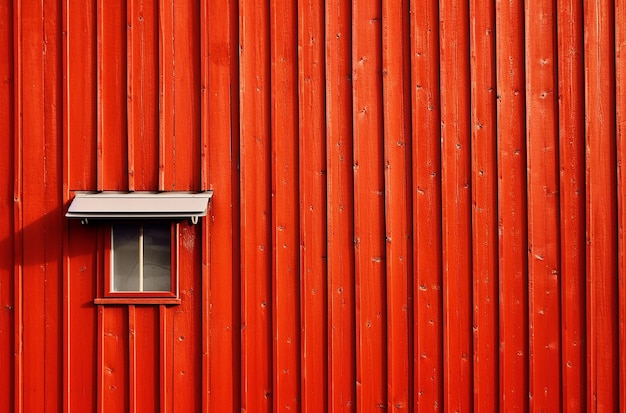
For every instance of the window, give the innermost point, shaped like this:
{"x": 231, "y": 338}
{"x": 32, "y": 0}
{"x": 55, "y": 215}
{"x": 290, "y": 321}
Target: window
{"x": 141, "y": 260}
{"x": 139, "y": 244}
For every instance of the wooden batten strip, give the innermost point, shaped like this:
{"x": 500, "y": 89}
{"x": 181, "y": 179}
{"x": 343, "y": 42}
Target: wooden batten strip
{"x": 18, "y": 213}
{"x": 620, "y": 93}
{"x": 66, "y": 300}
{"x": 8, "y": 279}
{"x": 130, "y": 94}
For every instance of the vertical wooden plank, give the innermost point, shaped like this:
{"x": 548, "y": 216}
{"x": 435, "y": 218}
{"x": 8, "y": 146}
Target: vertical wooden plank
{"x": 313, "y": 253}
{"x": 65, "y": 308}
{"x": 398, "y": 206}
{"x": 572, "y": 189}
{"x": 543, "y": 208}
{"x": 512, "y": 206}
{"x": 186, "y": 97}
{"x": 144, "y": 346}
{"x": 167, "y": 106}
{"x": 205, "y": 13}
{"x": 80, "y": 172}
{"x": 143, "y": 95}
{"x": 179, "y": 159}
{"x": 112, "y": 91}
{"x": 207, "y": 322}
{"x": 456, "y": 205}
{"x": 130, "y": 93}
{"x": 484, "y": 204}
{"x": 340, "y": 206}
{"x": 602, "y": 326}
{"x": 220, "y": 143}
{"x": 186, "y": 328}
{"x": 42, "y": 281}
{"x": 132, "y": 359}
{"x": 166, "y": 355}
{"x": 113, "y": 359}
{"x": 100, "y": 376}
{"x": 81, "y": 93}
{"x": 285, "y": 222}
{"x": 7, "y": 239}
{"x": 99, "y": 389}
{"x": 255, "y": 206}
{"x": 620, "y": 125}
{"x": 52, "y": 183}
{"x": 82, "y": 317}
{"x": 32, "y": 120}
{"x": 426, "y": 170}
{"x": 369, "y": 225}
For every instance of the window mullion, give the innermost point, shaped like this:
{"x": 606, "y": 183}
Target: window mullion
{"x": 140, "y": 257}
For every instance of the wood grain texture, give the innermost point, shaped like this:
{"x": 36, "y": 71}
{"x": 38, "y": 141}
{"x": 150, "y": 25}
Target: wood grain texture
{"x": 426, "y": 192}
{"x": 221, "y": 276}
{"x": 185, "y": 369}
{"x": 572, "y": 211}
{"x": 512, "y": 212}
{"x": 485, "y": 252}
{"x": 398, "y": 201}
{"x": 456, "y": 205}
{"x": 41, "y": 192}
{"x": 113, "y": 162}
{"x": 285, "y": 212}
{"x": 369, "y": 220}
{"x": 417, "y": 205}
{"x": 7, "y": 282}
{"x": 81, "y": 93}
{"x": 82, "y": 317}
{"x": 142, "y": 77}
{"x": 256, "y": 207}
{"x": 340, "y": 208}
{"x": 602, "y": 325}
{"x": 544, "y": 258}
{"x": 113, "y": 358}
{"x": 620, "y": 131}
{"x": 179, "y": 97}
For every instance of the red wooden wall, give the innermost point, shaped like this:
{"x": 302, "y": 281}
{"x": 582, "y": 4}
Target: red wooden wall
{"x": 419, "y": 205}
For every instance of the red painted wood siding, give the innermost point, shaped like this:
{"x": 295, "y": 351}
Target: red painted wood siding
{"x": 419, "y": 205}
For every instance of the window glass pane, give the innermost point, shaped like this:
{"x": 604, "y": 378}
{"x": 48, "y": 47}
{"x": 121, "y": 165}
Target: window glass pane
{"x": 125, "y": 257}
{"x": 156, "y": 257}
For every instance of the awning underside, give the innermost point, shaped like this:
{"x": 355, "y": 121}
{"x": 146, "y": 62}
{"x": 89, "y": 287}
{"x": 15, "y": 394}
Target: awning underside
{"x": 124, "y": 205}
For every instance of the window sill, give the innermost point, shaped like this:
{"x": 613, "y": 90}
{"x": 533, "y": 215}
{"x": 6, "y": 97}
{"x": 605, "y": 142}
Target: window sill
{"x": 136, "y": 301}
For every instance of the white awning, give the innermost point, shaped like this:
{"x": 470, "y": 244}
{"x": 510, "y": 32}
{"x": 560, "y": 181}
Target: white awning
{"x": 140, "y": 205}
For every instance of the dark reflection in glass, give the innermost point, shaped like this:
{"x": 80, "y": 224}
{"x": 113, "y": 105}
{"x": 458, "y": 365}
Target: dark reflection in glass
{"x": 125, "y": 258}
{"x": 127, "y": 243}
{"x": 156, "y": 257}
